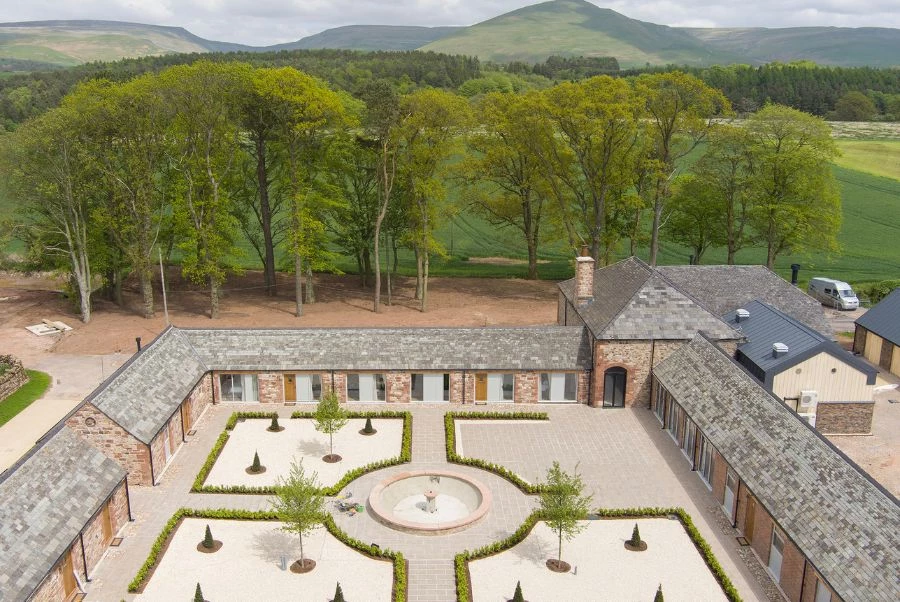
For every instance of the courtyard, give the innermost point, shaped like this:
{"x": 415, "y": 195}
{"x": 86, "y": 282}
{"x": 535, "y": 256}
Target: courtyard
{"x": 624, "y": 458}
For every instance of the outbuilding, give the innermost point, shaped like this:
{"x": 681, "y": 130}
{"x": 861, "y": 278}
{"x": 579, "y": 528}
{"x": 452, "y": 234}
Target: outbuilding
{"x": 877, "y": 335}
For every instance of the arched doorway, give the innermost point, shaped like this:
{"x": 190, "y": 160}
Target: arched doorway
{"x": 614, "y": 387}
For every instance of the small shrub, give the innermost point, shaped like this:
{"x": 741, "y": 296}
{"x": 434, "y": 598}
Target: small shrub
{"x": 659, "y": 595}
{"x": 274, "y": 426}
{"x": 198, "y": 594}
{"x": 518, "y": 597}
{"x": 256, "y": 466}
{"x": 338, "y": 594}
{"x": 368, "y": 428}
{"x": 635, "y": 536}
{"x": 208, "y": 541}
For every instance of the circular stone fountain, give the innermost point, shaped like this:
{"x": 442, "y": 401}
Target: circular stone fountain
{"x": 429, "y": 502}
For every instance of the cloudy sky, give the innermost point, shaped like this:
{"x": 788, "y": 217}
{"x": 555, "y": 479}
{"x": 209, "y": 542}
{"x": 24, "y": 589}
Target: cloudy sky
{"x": 264, "y": 22}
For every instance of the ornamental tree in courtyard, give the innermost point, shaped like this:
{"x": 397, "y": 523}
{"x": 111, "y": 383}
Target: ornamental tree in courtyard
{"x": 563, "y": 504}
{"x": 300, "y": 505}
{"x": 330, "y": 417}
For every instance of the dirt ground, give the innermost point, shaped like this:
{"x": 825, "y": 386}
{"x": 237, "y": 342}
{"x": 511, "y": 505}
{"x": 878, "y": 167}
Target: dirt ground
{"x": 341, "y": 302}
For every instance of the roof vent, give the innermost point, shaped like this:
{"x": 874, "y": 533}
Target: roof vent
{"x": 742, "y": 315}
{"x": 779, "y": 350}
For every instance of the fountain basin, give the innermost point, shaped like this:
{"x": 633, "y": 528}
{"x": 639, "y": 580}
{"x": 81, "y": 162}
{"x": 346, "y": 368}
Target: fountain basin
{"x": 456, "y": 501}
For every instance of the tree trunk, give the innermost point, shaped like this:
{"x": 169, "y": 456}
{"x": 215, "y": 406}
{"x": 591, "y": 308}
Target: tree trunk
{"x": 418, "y": 294}
{"x": 387, "y": 181}
{"x": 654, "y": 233}
{"x": 265, "y": 214}
{"x": 117, "y": 297}
{"x": 147, "y": 293}
{"x": 213, "y": 298}
{"x": 301, "y": 549}
{"x": 310, "y": 290}
{"x": 298, "y": 285}
{"x": 559, "y": 554}
{"x": 390, "y": 290}
{"x": 367, "y": 267}
{"x": 396, "y": 265}
{"x": 359, "y": 269}
{"x": 425, "y": 265}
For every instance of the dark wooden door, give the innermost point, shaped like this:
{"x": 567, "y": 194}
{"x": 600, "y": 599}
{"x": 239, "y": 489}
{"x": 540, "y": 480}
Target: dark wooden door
{"x": 887, "y": 352}
{"x": 750, "y": 518}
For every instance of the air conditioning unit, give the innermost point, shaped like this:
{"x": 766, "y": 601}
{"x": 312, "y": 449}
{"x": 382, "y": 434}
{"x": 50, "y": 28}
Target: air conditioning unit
{"x": 810, "y": 418}
{"x": 808, "y": 399}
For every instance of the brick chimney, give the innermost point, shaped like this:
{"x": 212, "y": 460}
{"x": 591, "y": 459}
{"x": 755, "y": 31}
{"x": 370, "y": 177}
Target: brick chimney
{"x": 584, "y": 278}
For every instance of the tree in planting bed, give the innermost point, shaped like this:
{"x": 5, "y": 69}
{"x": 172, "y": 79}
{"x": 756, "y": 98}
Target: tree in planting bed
{"x": 300, "y": 505}
{"x": 330, "y": 417}
{"x": 563, "y": 505}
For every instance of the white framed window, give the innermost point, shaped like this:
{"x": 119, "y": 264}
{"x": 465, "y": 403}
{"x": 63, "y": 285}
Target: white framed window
{"x": 823, "y": 594}
{"x": 430, "y": 387}
{"x": 660, "y": 408}
{"x": 776, "y": 554}
{"x": 559, "y": 386}
{"x": 690, "y": 439}
{"x": 704, "y": 469}
{"x": 731, "y": 485}
{"x": 309, "y": 387}
{"x": 500, "y": 387}
{"x": 238, "y": 387}
{"x": 365, "y": 387}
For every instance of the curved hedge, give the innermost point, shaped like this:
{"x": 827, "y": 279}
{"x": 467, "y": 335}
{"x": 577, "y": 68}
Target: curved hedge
{"x": 143, "y": 575}
{"x": 404, "y": 457}
{"x": 450, "y": 419}
{"x": 461, "y": 560}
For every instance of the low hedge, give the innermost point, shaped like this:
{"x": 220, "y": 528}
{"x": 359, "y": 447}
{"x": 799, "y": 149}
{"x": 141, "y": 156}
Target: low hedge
{"x": 461, "y": 560}
{"x": 404, "y": 457}
{"x": 450, "y": 434}
{"x": 140, "y": 579}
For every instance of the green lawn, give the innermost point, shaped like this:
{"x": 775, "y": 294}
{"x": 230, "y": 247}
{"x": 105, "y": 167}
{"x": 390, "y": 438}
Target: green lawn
{"x": 37, "y": 384}
{"x": 875, "y": 157}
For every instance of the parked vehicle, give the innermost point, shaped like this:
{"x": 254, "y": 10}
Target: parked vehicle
{"x": 833, "y": 293}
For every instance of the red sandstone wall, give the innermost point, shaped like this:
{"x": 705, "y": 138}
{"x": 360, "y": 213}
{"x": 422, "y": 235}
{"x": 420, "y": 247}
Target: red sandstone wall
{"x": 114, "y": 441}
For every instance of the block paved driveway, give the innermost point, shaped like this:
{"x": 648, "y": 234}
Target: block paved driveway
{"x": 624, "y": 457}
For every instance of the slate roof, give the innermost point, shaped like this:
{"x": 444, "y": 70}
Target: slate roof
{"x": 530, "y": 348}
{"x": 767, "y": 325}
{"x": 632, "y": 301}
{"x": 45, "y": 501}
{"x": 840, "y": 520}
{"x": 144, "y": 393}
{"x": 723, "y": 288}
{"x": 884, "y": 318}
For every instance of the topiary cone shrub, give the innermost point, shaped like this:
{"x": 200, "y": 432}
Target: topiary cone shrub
{"x": 256, "y": 467}
{"x": 636, "y": 544}
{"x": 198, "y": 594}
{"x": 275, "y": 427}
{"x": 659, "y": 595}
{"x": 209, "y": 545}
{"x": 517, "y": 597}
{"x": 368, "y": 429}
{"x": 338, "y": 594}
{"x": 208, "y": 538}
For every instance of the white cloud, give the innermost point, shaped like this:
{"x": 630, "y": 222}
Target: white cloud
{"x": 263, "y": 22}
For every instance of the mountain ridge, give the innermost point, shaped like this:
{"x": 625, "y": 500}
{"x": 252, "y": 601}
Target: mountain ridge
{"x": 530, "y": 33}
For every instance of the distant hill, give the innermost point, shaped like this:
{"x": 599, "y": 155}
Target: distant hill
{"x": 532, "y": 33}
{"x": 573, "y": 28}
{"x": 74, "y": 42}
{"x": 370, "y": 37}
{"x": 839, "y": 46}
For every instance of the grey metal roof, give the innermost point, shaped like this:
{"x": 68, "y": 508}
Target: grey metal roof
{"x": 143, "y": 394}
{"x": 723, "y": 288}
{"x": 841, "y": 521}
{"x": 766, "y": 325}
{"x": 529, "y": 348}
{"x": 884, "y": 318}
{"x": 45, "y": 501}
{"x": 632, "y": 301}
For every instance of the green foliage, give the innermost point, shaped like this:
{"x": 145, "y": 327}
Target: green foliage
{"x": 854, "y": 106}
{"x": 453, "y": 457}
{"x": 338, "y": 593}
{"x": 635, "y": 536}
{"x": 198, "y": 594}
{"x": 875, "y": 291}
{"x": 659, "y": 595}
{"x": 274, "y": 426}
{"x": 34, "y": 389}
{"x": 517, "y": 596}
{"x": 368, "y": 428}
{"x": 256, "y": 466}
{"x": 214, "y": 453}
{"x": 563, "y": 504}
{"x": 208, "y": 541}
{"x": 330, "y": 417}
{"x": 299, "y": 502}
{"x": 143, "y": 575}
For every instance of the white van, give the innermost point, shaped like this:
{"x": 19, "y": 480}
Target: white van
{"x": 833, "y": 293}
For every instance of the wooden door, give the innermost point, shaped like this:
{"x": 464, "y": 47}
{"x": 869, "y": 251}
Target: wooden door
{"x": 186, "y": 411}
{"x": 106, "y": 523}
{"x": 68, "y": 575}
{"x": 290, "y": 387}
{"x": 749, "y": 518}
{"x": 887, "y": 353}
{"x": 481, "y": 381}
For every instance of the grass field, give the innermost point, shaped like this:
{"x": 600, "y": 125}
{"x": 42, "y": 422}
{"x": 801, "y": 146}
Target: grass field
{"x": 32, "y": 390}
{"x": 876, "y": 157}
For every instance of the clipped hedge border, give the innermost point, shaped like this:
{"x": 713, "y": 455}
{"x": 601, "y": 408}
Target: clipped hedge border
{"x": 461, "y": 560}
{"x": 450, "y": 419}
{"x": 401, "y": 581}
{"x": 404, "y": 457}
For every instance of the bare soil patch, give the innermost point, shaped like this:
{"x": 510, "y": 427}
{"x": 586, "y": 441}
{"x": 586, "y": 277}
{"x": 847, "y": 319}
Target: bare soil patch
{"x": 341, "y": 302}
